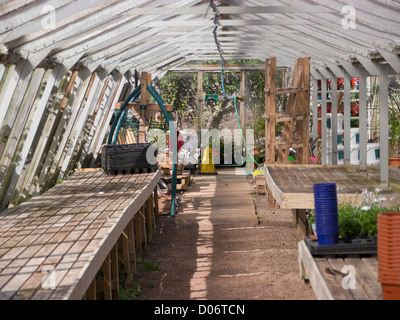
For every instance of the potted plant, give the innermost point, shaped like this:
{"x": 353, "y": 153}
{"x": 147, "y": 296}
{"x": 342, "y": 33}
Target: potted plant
{"x": 394, "y": 123}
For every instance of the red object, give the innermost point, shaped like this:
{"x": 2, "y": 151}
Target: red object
{"x": 355, "y": 109}
{"x": 340, "y": 83}
{"x": 354, "y": 81}
{"x": 390, "y": 292}
{"x": 319, "y": 128}
{"x": 181, "y": 142}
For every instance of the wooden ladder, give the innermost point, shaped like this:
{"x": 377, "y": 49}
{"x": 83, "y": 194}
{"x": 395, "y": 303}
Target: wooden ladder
{"x": 295, "y": 132}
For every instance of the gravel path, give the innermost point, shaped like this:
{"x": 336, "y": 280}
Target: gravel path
{"x": 197, "y": 257}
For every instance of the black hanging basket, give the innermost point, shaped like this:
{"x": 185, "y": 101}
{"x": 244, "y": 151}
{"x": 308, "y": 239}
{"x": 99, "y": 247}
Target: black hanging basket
{"x": 126, "y": 159}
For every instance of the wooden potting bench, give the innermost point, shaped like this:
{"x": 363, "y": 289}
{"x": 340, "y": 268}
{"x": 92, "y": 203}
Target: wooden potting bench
{"x": 340, "y": 278}
{"x": 79, "y": 238}
{"x": 291, "y": 186}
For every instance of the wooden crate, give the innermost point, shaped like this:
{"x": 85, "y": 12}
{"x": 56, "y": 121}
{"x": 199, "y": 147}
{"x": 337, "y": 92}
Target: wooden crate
{"x": 166, "y": 165}
{"x": 164, "y": 203}
{"x": 168, "y": 171}
{"x": 183, "y": 181}
{"x": 260, "y": 184}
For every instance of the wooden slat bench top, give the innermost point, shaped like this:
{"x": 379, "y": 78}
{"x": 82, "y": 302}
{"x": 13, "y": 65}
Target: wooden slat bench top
{"x": 292, "y": 185}
{"x": 61, "y": 238}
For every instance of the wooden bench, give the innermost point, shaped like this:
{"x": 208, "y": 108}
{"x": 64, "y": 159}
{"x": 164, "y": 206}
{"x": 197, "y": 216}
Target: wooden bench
{"x": 291, "y": 186}
{"x": 326, "y": 277}
{"x": 73, "y": 241}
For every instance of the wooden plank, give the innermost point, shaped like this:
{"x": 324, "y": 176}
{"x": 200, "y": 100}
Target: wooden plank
{"x": 302, "y": 125}
{"x": 132, "y": 248}
{"x": 149, "y": 221}
{"x": 289, "y": 90}
{"x": 356, "y": 293}
{"x": 270, "y": 109}
{"x": 138, "y": 236}
{"x": 156, "y": 209}
{"x": 365, "y": 278}
{"x": 107, "y": 278}
{"x": 114, "y": 283}
{"x": 91, "y": 292}
{"x": 152, "y": 107}
{"x": 144, "y": 235}
{"x": 372, "y": 265}
{"x": 310, "y": 270}
{"x": 272, "y": 186}
{"x": 285, "y": 117}
{"x": 333, "y": 281}
{"x": 126, "y": 256}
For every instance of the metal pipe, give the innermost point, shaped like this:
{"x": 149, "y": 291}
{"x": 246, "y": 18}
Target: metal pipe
{"x": 174, "y": 140}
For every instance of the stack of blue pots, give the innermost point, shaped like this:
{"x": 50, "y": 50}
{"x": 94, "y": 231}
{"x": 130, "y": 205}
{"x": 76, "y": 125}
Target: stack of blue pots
{"x": 326, "y": 213}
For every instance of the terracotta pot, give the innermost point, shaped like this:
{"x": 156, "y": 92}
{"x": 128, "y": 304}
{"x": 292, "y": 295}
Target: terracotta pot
{"x": 389, "y": 222}
{"x": 388, "y": 252}
{"x": 394, "y": 161}
{"x": 390, "y": 292}
{"x": 389, "y": 278}
{"x": 392, "y": 223}
{"x": 386, "y": 267}
{"x": 388, "y": 235}
{"x": 389, "y": 245}
{"x": 389, "y": 214}
{"x": 386, "y": 218}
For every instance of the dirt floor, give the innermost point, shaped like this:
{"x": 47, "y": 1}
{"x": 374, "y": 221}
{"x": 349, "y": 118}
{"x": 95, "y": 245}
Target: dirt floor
{"x": 224, "y": 261}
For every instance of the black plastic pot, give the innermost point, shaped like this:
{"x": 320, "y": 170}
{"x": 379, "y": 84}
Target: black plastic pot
{"x": 126, "y": 159}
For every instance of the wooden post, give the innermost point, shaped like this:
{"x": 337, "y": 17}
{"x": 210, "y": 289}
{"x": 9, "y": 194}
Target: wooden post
{"x": 143, "y": 227}
{"x": 126, "y": 256}
{"x": 156, "y": 208}
{"x": 138, "y": 236}
{"x": 91, "y": 291}
{"x": 270, "y": 109}
{"x": 114, "y": 281}
{"x": 149, "y": 220}
{"x": 107, "y": 278}
{"x": 243, "y": 103}
{"x": 315, "y": 112}
{"x": 303, "y": 126}
{"x": 132, "y": 249}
